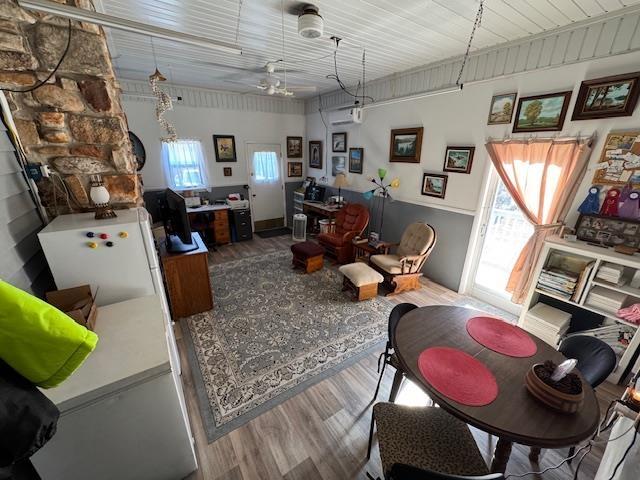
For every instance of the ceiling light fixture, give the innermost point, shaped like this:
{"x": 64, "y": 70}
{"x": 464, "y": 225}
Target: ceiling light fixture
{"x": 310, "y": 23}
{"x": 81, "y": 15}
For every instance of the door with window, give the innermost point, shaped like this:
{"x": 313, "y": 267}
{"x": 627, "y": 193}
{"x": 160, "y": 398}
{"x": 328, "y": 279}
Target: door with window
{"x": 503, "y": 233}
{"x": 266, "y": 185}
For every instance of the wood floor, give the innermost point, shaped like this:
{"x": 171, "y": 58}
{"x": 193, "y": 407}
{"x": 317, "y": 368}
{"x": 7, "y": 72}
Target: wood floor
{"x": 322, "y": 433}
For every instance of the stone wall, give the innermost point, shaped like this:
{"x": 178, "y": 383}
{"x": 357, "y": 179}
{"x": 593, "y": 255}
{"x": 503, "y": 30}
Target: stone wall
{"x": 74, "y": 123}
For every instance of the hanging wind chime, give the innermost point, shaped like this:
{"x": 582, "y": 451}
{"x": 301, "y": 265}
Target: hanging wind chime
{"x": 163, "y": 101}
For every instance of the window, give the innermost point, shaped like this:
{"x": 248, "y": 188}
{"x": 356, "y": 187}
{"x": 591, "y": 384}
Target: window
{"x": 184, "y": 164}
{"x": 265, "y": 167}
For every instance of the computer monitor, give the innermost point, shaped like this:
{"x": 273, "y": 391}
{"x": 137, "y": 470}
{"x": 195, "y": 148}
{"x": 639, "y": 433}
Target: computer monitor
{"x": 176, "y": 224}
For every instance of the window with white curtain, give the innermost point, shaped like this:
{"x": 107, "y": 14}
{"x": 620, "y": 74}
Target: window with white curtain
{"x": 265, "y": 167}
{"x": 185, "y": 166}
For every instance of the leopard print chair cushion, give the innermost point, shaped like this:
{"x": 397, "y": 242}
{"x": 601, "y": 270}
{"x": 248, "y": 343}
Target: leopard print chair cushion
{"x": 428, "y": 438}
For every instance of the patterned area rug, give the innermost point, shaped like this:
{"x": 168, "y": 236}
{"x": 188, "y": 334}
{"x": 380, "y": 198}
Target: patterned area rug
{"x": 272, "y": 333}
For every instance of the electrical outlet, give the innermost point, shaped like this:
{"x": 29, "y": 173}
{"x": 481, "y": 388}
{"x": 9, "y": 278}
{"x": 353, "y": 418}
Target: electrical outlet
{"x": 46, "y": 171}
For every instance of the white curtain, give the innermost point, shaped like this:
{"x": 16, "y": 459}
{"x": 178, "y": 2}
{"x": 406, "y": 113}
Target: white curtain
{"x": 265, "y": 167}
{"x": 185, "y": 166}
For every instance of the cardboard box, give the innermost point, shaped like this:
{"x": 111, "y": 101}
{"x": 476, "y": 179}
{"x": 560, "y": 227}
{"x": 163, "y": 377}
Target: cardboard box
{"x": 76, "y": 302}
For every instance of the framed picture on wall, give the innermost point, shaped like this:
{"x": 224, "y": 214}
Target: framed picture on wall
{"x": 356, "y": 157}
{"x": 294, "y": 147}
{"x": 294, "y": 169}
{"x": 606, "y": 97}
{"x": 315, "y": 154}
{"x": 339, "y": 141}
{"x": 338, "y": 164}
{"x": 458, "y": 159}
{"x": 434, "y": 185}
{"x": 227, "y": 171}
{"x": 501, "y": 109}
{"x": 225, "y": 147}
{"x": 541, "y": 113}
{"x": 406, "y": 145}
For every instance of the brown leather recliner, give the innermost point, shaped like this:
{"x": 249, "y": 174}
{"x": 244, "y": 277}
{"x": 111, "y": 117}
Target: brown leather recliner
{"x": 351, "y": 220}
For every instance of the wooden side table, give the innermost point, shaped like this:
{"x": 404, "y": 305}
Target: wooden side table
{"x": 362, "y": 250}
{"x": 187, "y": 279}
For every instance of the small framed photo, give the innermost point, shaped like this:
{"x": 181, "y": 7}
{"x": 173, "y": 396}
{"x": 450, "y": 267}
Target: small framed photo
{"x": 294, "y": 147}
{"x": 294, "y": 169}
{"x": 338, "y": 164}
{"x": 225, "y": 147}
{"x": 356, "y": 156}
{"x": 614, "y": 96}
{"x": 406, "y": 145}
{"x": 541, "y": 113}
{"x": 458, "y": 159}
{"x": 339, "y": 141}
{"x": 434, "y": 185}
{"x": 501, "y": 109}
{"x": 227, "y": 171}
{"x": 315, "y": 154}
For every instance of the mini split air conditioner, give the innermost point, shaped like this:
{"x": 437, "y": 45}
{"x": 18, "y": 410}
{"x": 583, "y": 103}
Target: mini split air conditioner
{"x": 346, "y": 116}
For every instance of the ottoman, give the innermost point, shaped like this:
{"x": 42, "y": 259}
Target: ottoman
{"x": 361, "y": 280}
{"x": 308, "y": 255}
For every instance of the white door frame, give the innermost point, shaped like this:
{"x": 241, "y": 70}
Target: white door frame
{"x": 282, "y": 182}
{"x": 478, "y": 237}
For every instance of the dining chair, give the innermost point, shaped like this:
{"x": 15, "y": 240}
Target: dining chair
{"x": 596, "y": 361}
{"x": 388, "y": 357}
{"x": 428, "y": 439}
{"x": 400, "y": 471}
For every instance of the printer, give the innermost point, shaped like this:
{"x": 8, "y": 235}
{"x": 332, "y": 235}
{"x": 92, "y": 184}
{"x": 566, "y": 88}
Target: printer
{"x": 235, "y": 202}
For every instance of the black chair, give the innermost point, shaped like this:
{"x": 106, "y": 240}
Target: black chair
{"x": 407, "y": 472}
{"x": 388, "y": 356}
{"x": 596, "y": 361}
{"x": 426, "y": 440}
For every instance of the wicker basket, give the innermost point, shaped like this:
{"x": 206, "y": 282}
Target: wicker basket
{"x": 561, "y": 402}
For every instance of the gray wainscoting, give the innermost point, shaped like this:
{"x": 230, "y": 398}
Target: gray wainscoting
{"x": 446, "y": 263}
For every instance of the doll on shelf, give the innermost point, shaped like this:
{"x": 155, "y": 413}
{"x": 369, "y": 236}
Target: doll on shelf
{"x": 610, "y": 204}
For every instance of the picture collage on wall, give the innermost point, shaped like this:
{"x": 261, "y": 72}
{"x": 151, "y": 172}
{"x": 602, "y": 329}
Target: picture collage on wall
{"x": 339, "y": 163}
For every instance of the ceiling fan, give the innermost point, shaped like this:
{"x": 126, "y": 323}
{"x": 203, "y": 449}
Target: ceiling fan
{"x": 272, "y": 85}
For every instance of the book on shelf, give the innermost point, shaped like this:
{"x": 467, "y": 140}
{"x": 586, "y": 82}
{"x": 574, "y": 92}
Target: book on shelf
{"x": 579, "y": 291}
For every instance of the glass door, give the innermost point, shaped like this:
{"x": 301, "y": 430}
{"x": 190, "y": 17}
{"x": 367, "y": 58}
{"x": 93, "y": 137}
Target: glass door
{"x": 503, "y": 234}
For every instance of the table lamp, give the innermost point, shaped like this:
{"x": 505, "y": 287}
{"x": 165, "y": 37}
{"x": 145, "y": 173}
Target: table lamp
{"x": 340, "y": 181}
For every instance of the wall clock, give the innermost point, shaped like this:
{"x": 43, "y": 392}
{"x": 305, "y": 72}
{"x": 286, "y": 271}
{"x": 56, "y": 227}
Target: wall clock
{"x": 138, "y": 151}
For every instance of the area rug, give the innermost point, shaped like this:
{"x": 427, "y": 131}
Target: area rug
{"x": 272, "y": 333}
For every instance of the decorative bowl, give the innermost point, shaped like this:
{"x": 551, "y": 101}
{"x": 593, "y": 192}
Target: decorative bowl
{"x": 553, "y": 398}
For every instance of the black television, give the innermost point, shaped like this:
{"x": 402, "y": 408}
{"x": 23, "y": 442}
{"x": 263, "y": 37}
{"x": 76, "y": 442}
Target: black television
{"x": 176, "y": 224}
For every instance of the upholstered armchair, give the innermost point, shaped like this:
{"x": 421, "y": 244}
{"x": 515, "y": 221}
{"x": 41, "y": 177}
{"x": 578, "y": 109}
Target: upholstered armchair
{"x": 351, "y": 220}
{"x": 402, "y": 270}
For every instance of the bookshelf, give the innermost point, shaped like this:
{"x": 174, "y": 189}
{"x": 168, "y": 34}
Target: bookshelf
{"x": 577, "y": 255}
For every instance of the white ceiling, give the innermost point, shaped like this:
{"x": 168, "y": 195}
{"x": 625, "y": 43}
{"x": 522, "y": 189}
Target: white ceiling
{"x": 397, "y": 35}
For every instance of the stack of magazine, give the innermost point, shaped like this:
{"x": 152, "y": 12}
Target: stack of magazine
{"x": 558, "y": 282}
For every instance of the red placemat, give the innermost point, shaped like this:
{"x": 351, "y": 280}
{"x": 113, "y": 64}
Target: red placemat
{"x": 501, "y": 337}
{"x": 458, "y": 376}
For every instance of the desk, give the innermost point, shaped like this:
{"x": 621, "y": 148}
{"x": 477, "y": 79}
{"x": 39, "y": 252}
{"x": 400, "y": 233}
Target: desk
{"x": 217, "y": 221}
{"x": 187, "y": 278}
{"x": 327, "y": 211}
{"x": 514, "y": 416}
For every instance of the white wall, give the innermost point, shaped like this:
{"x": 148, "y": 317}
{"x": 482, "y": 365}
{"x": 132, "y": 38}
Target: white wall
{"x": 202, "y": 124}
{"x": 461, "y": 119}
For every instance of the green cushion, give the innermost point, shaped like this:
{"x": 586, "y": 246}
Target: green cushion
{"x": 38, "y": 341}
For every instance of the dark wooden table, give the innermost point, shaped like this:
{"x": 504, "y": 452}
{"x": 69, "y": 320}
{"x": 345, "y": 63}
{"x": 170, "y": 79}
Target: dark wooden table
{"x": 514, "y": 416}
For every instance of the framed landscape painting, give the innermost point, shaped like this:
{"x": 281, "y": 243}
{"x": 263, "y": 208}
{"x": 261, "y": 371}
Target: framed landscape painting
{"x": 406, "y": 145}
{"x": 458, "y": 159}
{"x": 225, "y": 147}
{"x": 315, "y": 154}
{"x": 614, "y": 96}
{"x": 542, "y": 113}
{"x": 434, "y": 185}
{"x": 294, "y": 147}
{"x": 501, "y": 109}
{"x": 338, "y": 164}
{"x": 356, "y": 156}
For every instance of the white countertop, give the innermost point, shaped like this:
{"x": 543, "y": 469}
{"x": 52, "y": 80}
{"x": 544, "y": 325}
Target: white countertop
{"x": 132, "y": 348}
{"x": 207, "y": 208}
